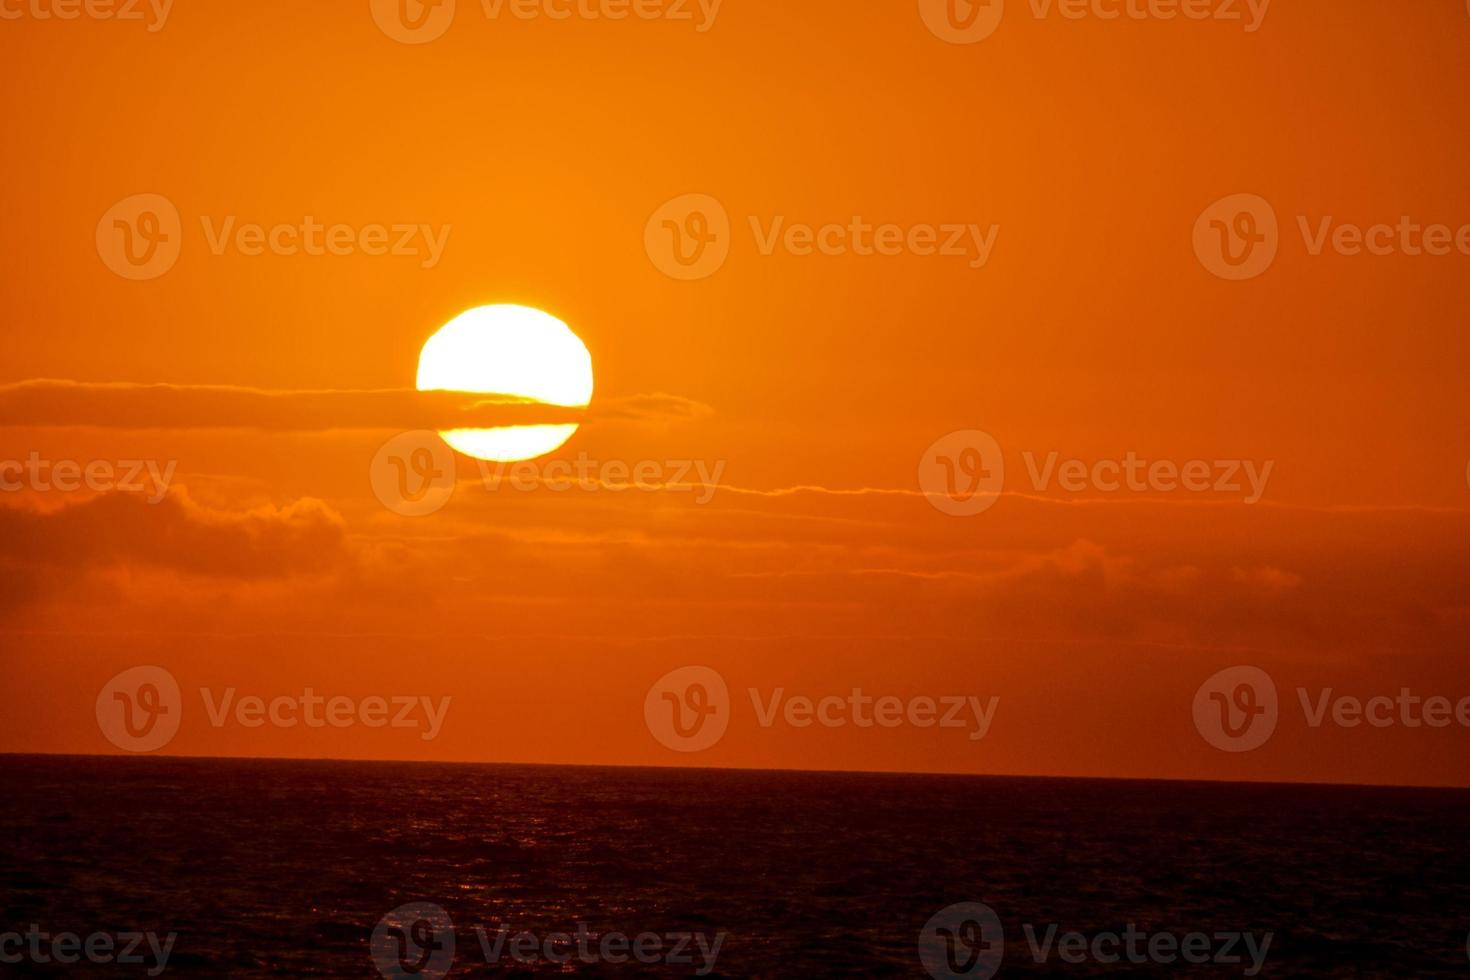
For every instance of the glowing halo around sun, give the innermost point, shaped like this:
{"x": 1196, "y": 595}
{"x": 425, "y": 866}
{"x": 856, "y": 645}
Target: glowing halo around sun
{"x": 508, "y": 350}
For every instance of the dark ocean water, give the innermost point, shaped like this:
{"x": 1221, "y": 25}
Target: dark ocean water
{"x": 266, "y": 868}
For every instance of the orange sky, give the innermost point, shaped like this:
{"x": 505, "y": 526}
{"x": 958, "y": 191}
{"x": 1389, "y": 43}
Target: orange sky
{"x": 540, "y": 147}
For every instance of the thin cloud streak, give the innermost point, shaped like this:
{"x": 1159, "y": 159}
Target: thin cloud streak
{"x": 50, "y": 403}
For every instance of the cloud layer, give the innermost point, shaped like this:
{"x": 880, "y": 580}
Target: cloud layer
{"x": 56, "y": 403}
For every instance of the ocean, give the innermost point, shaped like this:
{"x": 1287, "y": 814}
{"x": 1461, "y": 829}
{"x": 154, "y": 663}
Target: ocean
{"x": 242, "y": 868}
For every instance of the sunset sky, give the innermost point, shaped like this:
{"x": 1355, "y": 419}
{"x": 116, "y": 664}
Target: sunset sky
{"x": 527, "y": 160}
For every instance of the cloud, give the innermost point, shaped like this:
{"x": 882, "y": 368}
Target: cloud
{"x": 52, "y": 403}
{"x": 657, "y": 407}
{"x": 123, "y": 530}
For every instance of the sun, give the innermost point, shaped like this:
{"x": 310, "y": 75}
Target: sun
{"x": 508, "y": 350}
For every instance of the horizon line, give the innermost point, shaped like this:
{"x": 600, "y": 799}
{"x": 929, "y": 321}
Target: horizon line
{"x": 741, "y": 769}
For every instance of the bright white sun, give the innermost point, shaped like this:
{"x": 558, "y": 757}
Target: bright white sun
{"x": 508, "y": 350}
